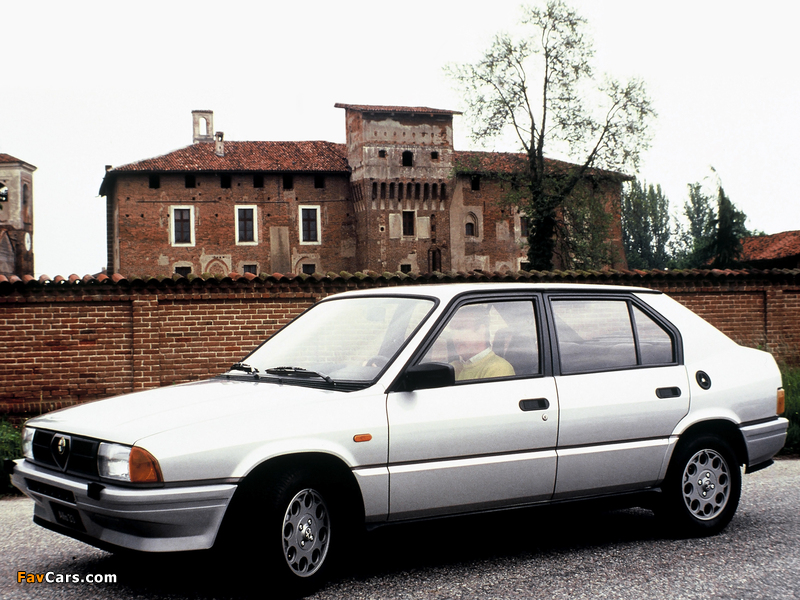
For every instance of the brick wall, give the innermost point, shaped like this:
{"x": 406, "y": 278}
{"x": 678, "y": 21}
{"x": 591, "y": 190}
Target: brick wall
{"x": 68, "y": 342}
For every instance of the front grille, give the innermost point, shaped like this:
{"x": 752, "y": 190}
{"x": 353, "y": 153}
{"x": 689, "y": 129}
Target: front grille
{"x": 81, "y": 458}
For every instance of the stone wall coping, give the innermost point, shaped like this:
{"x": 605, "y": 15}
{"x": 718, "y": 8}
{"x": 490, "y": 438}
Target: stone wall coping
{"x": 10, "y": 286}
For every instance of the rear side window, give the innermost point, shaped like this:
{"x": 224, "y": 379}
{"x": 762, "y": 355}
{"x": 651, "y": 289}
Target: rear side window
{"x": 600, "y": 335}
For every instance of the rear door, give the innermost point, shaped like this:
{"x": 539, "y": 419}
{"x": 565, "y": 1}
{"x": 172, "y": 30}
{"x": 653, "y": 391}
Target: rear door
{"x": 622, "y": 390}
{"x": 489, "y": 440}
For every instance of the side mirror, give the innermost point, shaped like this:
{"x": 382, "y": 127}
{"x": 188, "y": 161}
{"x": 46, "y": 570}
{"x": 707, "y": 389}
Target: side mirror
{"x": 428, "y": 376}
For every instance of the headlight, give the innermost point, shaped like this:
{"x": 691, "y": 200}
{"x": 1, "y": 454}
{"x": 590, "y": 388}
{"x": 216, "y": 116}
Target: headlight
{"x": 127, "y": 463}
{"x": 27, "y": 442}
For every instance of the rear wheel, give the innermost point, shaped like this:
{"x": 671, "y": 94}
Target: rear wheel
{"x": 703, "y": 486}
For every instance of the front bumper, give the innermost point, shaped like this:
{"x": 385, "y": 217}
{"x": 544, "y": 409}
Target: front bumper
{"x": 764, "y": 440}
{"x": 167, "y": 519}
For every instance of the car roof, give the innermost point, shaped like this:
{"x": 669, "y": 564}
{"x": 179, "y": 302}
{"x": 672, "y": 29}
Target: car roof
{"x": 448, "y": 291}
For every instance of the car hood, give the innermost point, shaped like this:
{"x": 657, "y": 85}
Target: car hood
{"x": 131, "y": 417}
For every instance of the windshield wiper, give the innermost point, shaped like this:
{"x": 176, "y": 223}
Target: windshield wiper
{"x": 243, "y": 367}
{"x": 299, "y": 372}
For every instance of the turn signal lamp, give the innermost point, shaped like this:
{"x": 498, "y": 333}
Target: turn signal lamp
{"x": 143, "y": 466}
{"x": 781, "y": 402}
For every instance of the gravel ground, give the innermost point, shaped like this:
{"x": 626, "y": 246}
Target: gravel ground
{"x": 544, "y": 553}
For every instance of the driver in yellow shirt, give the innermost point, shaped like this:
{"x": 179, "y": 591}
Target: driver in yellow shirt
{"x": 470, "y": 334}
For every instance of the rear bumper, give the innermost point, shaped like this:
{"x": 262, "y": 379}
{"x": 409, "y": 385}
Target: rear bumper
{"x": 150, "y": 520}
{"x": 764, "y": 440}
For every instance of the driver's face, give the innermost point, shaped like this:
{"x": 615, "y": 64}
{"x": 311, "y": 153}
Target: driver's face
{"x": 469, "y": 335}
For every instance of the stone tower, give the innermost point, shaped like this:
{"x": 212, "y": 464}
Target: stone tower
{"x": 16, "y": 216}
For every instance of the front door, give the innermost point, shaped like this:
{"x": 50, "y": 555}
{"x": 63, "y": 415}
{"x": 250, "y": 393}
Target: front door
{"x": 490, "y": 439}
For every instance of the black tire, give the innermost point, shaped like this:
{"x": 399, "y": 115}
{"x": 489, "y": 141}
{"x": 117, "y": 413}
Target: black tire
{"x": 703, "y": 487}
{"x": 283, "y": 524}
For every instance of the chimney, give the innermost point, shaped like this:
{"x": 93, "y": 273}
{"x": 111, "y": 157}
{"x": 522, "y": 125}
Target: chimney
{"x": 219, "y": 146}
{"x": 202, "y": 126}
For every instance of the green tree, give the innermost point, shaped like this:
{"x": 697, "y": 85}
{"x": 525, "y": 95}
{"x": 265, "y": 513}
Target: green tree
{"x": 714, "y": 234}
{"x": 646, "y": 229}
{"x": 730, "y": 229}
{"x": 535, "y": 87}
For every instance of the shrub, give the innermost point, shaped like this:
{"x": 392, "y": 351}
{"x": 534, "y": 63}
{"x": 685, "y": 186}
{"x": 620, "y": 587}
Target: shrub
{"x": 10, "y": 447}
{"x": 791, "y": 387}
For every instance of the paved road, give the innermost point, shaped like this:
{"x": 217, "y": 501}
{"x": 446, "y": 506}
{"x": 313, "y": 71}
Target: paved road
{"x": 524, "y": 554}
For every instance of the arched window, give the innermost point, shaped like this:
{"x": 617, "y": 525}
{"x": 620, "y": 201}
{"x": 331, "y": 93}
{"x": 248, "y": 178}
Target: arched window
{"x": 471, "y": 225}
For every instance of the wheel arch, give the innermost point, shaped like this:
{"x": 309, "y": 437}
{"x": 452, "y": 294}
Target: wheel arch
{"x": 723, "y": 428}
{"x": 327, "y": 466}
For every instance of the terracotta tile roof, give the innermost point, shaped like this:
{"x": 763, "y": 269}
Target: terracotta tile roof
{"x": 771, "y": 247}
{"x": 507, "y": 162}
{"x": 396, "y": 109}
{"x": 8, "y": 159}
{"x": 249, "y": 156}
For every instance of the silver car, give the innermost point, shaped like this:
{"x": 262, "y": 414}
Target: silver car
{"x": 389, "y": 405}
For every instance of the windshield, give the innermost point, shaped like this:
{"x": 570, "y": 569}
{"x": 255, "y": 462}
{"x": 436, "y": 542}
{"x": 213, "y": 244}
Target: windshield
{"x": 347, "y": 339}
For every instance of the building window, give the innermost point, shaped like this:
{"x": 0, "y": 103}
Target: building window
{"x": 427, "y": 191}
{"x": 435, "y": 191}
{"x": 471, "y": 225}
{"x": 183, "y": 271}
{"x": 3, "y": 192}
{"x": 405, "y": 268}
{"x": 475, "y": 183}
{"x": 524, "y": 227}
{"x": 434, "y": 156}
{"x": 391, "y": 191}
{"x": 309, "y": 268}
{"x": 374, "y": 190}
{"x": 258, "y": 181}
{"x": 246, "y": 225}
{"x": 444, "y": 191}
{"x": 154, "y": 182}
{"x": 225, "y": 181}
{"x": 383, "y": 191}
{"x": 417, "y": 188}
{"x": 381, "y": 153}
{"x": 400, "y": 187}
{"x": 408, "y": 158}
{"x": 288, "y": 182}
{"x": 190, "y": 181}
{"x": 182, "y": 225}
{"x": 250, "y": 269}
{"x": 408, "y": 222}
{"x": 319, "y": 181}
{"x": 309, "y": 225}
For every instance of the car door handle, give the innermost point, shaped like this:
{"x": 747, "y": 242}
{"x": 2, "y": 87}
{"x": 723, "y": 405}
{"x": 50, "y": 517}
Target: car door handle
{"x": 534, "y": 404}
{"x": 668, "y": 392}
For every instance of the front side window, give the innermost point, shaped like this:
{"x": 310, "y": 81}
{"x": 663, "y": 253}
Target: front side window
{"x": 309, "y": 225}
{"x": 489, "y": 340}
{"x": 182, "y": 225}
{"x": 600, "y": 335}
{"x": 246, "y": 221}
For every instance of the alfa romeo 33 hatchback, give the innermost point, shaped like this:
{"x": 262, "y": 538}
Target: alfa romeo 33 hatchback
{"x": 413, "y": 402}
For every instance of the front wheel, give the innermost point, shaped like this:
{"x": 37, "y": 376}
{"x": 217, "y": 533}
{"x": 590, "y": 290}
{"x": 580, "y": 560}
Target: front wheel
{"x": 306, "y": 533}
{"x": 703, "y": 486}
{"x": 282, "y": 524}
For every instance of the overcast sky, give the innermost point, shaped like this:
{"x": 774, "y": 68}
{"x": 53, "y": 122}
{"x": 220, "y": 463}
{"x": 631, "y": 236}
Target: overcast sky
{"x": 89, "y": 84}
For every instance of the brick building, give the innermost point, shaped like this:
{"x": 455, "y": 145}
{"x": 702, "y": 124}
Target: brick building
{"x": 395, "y": 197}
{"x": 16, "y": 216}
